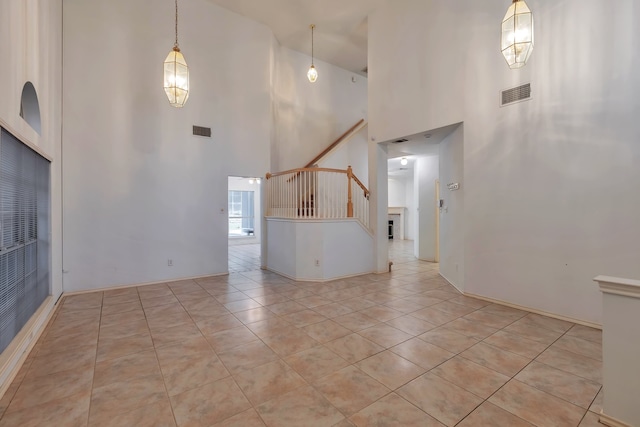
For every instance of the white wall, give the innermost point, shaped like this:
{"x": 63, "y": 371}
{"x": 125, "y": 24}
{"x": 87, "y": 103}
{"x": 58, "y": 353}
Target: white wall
{"x": 426, "y": 172}
{"x": 397, "y": 192}
{"x": 319, "y": 250}
{"x": 350, "y": 153}
{"x": 452, "y": 213}
{"x": 309, "y": 116}
{"x": 242, "y": 184}
{"x": 548, "y": 182}
{"x": 139, "y": 188}
{"x": 31, "y": 50}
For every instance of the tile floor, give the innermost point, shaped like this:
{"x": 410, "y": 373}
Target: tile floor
{"x": 256, "y": 349}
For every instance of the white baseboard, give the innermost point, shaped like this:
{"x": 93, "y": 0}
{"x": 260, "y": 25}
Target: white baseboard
{"x": 612, "y": 422}
{"x": 13, "y": 357}
{"x": 534, "y": 310}
{"x": 298, "y": 279}
{"x": 451, "y": 283}
{"x": 135, "y": 285}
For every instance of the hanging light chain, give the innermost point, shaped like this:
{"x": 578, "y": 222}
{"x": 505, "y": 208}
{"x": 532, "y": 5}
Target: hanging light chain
{"x": 175, "y": 46}
{"x": 312, "y": 27}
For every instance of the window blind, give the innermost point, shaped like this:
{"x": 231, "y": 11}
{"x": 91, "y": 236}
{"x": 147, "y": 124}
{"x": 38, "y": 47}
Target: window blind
{"x": 24, "y": 235}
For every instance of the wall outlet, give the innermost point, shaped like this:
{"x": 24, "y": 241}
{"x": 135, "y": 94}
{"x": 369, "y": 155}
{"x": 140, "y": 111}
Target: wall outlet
{"x": 170, "y": 262}
{"x": 317, "y": 263}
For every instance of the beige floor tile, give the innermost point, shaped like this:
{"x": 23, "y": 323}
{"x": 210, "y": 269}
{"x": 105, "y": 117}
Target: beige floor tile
{"x": 326, "y": 331}
{"x": 390, "y": 369}
{"x": 268, "y": 381}
{"x": 547, "y": 322}
{"x": 422, "y": 353}
{"x": 194, "y": 408}
{"x": 115, "y": 398}
{"x": 385, "y": 335}
{"x": 65, "y": 343}
{"x": 448, "y": 340}
{"x": 596, "y": 405}
{"x": 175, "y": 334}
{"x": 428, "y": 300}
{"x": 586, "y": 333}
{"x": 488, "y": 319}
{"x": 204, "y": 308}
{"x": 591, "y": 420}
{"x": 332, "y": 310}
{"x": 198, "y": 295}
{"x": 355, "y": 304}
{"x": 63, "y": 315}
{"x": 501, "y": 310}
{"x": 76, "y": 326}
{"x": 489, "y": 414}
{"x": 411, "y": 325}
{"x": 477, "y": 379}
{"x": 124, "y": 329}
{"x": 493, "y": 358}
{"x": 316, "y": 362}
{"x": 34, "y": 391}
{"x": 301, "y": 407}
{"x": 212, "y": 325}
{"x": 434, "y": 316}
{"x": 169, "y": 320}
{"x": 439, "y": 398}
{"x": 286, "y": 307}
{"x": 516, "y": 344}
{"x": 355, "y": 321}
{"x": 536, "y": 406}
{"x": 354, "y": 347}
{"x": 76, "y": 358}
{"x": 226, "y": 340}
{"x": 404, "y": 305}
{"x": 457, "y": 310}
{"x": 381, "y": 313}
{"x": 271, "y": 299}
{"x": 248, "y": 418}
{"x": 83, "y": 301}
{"x": 254, "y": 315}
{"x": 393, "y": 410}
{"x": 573, "y": 363}
{"x": 154, "y": 291}
{"x": 470, "y": 328}
{"x": 111, "y": 349}
{"x": 533, "y": 332}
{"x": 184, "y": 287}
{"x": 290, "y": 342}
{"x": 350, "y": 389}
{"x": 157, "y": 414}
{"x": 303, "y": 318}
{"x": 110, "y": 310}
{"x": 68, "y": 411}
{"x": 268, "y": 327}
{"x": 564, "y": 385}
{"x": 192, "y": 370}
{"x": 116, "y": 319}
{"x": 247, "y": 356}
{"x": 470, "y": 301}
{"x": 125, "y": 298}
{"x": 125, "y": 368}
{"x": 158, "y": 301}
{"x": 580, "y": 346}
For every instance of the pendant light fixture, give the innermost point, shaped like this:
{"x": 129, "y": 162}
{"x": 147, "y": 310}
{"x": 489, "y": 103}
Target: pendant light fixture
{"x": 176, "y": 74}
{"x": 404, "y": 161}
{"x": 517, "y": 34}
{"x": 312, "y": 74}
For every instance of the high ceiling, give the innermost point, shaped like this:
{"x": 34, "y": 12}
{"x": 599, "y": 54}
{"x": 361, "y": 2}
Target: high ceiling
{"x": 341, "y": 26}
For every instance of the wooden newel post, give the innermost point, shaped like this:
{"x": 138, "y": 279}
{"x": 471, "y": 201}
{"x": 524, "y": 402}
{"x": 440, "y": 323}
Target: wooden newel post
{"x": 349, "y": 200}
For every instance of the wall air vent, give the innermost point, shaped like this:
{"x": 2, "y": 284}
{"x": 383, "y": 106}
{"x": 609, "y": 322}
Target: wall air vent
{"x": 516, "y": 94}
{"x": 202, "y": 131}
{"x": 399, "y": 141}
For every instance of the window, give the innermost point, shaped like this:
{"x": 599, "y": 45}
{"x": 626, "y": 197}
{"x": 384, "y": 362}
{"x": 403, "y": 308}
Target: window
{"x": 24, "y": 235}
{"x": 241, "y": 214}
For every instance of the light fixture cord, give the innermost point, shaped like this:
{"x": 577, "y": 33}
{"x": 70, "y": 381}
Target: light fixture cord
{"x": 176, "y": 44}
{"x": 312, "y": 27}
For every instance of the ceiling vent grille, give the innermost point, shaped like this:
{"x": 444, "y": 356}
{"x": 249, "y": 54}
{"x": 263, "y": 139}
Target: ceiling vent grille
{"x": 516, "y": 94}
{"x": 202, "y": 131}
{"x": 400, "y": 141}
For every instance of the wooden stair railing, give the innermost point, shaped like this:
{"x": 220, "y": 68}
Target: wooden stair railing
{"x": 335, "y": 143}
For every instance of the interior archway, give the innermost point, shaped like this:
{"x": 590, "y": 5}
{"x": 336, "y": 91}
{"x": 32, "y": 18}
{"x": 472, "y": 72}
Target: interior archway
{"x": 29, "y": 106}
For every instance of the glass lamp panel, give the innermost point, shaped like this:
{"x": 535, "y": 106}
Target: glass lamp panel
{"x": 312, "y": 74}
{"x": 524, "y": 27}
{"x": 521, "y": 7}
{"x": 507, "y": 32}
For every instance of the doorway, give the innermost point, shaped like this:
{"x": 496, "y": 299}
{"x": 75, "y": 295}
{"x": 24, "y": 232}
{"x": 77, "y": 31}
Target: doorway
{"x": 244, "y": 223}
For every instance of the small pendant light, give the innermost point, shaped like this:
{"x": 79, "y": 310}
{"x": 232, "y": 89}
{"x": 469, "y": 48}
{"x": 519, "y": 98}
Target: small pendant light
{"x": 176, "y": 74}
{"x": 312, "y": 74}
{"x": 404, "y": 161}
{"x": 517, "y": 34}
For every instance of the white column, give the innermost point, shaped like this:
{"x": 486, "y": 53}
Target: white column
{"x": 378, "y": 201}
{"x": 620, "y": 351}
